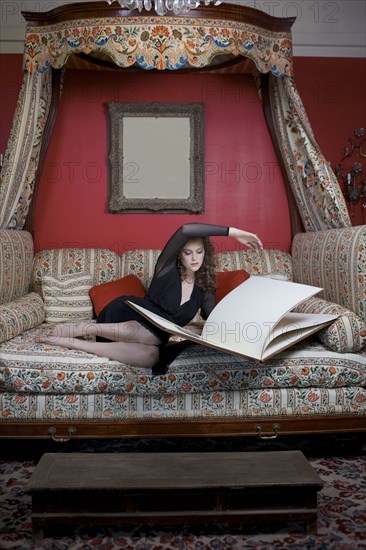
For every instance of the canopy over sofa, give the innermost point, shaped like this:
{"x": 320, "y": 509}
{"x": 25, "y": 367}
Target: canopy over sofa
{"x": 226, "y": 39}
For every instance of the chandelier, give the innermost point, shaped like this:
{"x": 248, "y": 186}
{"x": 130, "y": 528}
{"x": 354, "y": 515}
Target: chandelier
{"x": 163, "y": 6}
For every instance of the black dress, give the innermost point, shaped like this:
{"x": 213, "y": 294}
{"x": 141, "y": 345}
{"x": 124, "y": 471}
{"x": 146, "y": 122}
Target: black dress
{"x": 164, "y": 294}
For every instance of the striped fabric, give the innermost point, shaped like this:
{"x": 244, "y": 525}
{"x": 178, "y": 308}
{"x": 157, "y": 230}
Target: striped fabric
{"x": 28, "y": 366}
{"x": 346, "y": 334}
{"x": 256, "y": 262}
{"x": 19, "y": 315}
{"x": 336, "y": 261}
{"x": 67, "y": 297}
{"x": 16, "y": 256}
{"x": 142, "y": 262}
{"x": 101, "y": 263}
{"x": 229, "y": 405}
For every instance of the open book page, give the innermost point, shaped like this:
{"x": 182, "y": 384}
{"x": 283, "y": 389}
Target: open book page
{"x": 246, "y": 317}
{"x": 251, "y": 316}
{"x": 292, "y": 328}
{"x": 169, "y": 326}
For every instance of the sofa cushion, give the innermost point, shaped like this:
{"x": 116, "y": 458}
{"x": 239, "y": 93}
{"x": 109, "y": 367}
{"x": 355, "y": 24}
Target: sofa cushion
{"x": 103, "y": 264}
{"x": 16, "y": 256}
{"x": 20, "y": 314}
{"x": 140, "y": 263}
{"x": 256, "y": 262}
{"x": 345, "y": 334}
{"x": 101, "y": 295}
{"x": 66, "y": 298}
{"x": 226, "y": 281}
{"x": 27, "y": 366}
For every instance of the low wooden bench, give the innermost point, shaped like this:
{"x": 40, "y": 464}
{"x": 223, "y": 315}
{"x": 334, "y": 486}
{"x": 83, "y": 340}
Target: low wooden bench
{"x": 167, "y": 488}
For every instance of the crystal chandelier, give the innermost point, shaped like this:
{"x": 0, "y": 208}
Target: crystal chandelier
{"x": 163, "y": 6}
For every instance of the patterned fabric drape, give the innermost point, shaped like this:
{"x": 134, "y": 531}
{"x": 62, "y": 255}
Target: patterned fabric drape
{"x": 149, "y": 42}
{"x": 318, "y": 196}
{"x": 24, "y": 144}
{"x": 164, "y": 43}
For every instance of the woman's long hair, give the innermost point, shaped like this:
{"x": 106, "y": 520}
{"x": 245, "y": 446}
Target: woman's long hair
{"x": 206, "y": 275}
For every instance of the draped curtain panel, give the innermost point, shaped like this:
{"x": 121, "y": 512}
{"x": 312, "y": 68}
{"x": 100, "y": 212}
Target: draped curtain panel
{"x": 24, "y": 144}
{"x": 167, "y": 43}
{"x": 315, "y": 187}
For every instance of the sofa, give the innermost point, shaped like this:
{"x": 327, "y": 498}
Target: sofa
{"x": 315, "y": 386}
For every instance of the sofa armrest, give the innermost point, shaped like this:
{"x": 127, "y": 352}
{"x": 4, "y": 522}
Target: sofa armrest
{"x": 16, "y": 256}
{"x": 21, "y": 314}
{"x": 334, "y": 260}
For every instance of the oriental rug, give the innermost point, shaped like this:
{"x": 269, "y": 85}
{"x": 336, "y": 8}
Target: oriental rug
{"x": 340, "y": 462}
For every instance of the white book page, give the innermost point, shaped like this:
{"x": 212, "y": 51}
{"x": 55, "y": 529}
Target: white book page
{"x": 294, "y": 327}
{"x": 245, "y": 318}
{"x": 169, "y": 326}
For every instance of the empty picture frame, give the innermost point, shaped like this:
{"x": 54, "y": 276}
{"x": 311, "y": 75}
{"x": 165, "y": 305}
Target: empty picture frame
{"x": 156, "y": 157}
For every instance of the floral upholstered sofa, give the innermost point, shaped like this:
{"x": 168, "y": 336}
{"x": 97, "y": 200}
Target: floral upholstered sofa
{"x": 318, "y": 385}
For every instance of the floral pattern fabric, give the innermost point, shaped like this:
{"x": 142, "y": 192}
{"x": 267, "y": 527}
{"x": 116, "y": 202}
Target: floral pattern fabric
{"x": 45, "y": 381}
{"x": 66, "y": 298}
{"x": 157, "y": 43}
{"x": 142, "y": 262}
{"x": 103, "y": 264}
{"x": 23, "y": 149}
{"x": 256, "y": 262}
{"x": 20, "y": 315}
{"x": 168, "y": 44}
{"x": 266, "y": 403}
{"x": 345, "y": 334}
{"x": 334, "y": 260}
{"x": 16, "y": 257}
{"x": 31, "y": 367}
{"x": 316, "y": 189}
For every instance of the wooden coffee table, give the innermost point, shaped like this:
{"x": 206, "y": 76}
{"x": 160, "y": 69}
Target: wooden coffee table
{"x": 166, "y": 488}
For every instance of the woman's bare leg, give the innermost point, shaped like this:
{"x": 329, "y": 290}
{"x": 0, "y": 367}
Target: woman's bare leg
{"x": 137, "y": 355}
{"x": 128, "y": 331}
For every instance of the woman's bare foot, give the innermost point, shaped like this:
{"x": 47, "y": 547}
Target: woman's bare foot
{"x": 56, "y": 341}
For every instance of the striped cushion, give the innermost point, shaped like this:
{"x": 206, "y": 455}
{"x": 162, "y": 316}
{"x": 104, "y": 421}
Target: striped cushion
{"x": 19, "y": 315}
{"x": 67, "y": 298}
{"x": 346, "y": 334}
{"x": 101, "y": 263}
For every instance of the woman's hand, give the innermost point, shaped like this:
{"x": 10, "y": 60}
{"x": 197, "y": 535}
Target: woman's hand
{"x": 251, "y": 240}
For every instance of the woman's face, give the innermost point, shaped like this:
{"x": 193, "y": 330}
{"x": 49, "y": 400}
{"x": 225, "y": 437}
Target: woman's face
{"x": 192, "y": 255}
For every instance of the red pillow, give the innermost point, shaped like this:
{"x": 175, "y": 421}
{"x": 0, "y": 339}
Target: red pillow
{"x": 226, "y": 281}
{"x": 101, "y": 295}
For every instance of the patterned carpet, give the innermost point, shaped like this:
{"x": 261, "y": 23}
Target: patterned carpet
{"x": 340, "y": 462}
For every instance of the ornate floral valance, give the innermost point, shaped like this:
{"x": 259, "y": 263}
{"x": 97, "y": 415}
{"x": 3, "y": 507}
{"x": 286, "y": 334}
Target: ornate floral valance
{"x": 155, "y": 43}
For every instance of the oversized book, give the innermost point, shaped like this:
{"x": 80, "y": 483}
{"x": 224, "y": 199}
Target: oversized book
{"x": 254, "y": 320}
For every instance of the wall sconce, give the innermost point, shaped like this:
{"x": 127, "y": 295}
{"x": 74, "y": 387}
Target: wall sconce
{"x": 353, "y": 179}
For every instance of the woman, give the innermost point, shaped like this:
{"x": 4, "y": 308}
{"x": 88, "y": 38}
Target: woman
{"x": 183, "y": 283}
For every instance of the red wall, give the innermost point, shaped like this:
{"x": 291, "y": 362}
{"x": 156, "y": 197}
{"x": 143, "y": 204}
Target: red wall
{"x": 11, "y": 77}
{"x": 333, "y": 91}
{"x": 244, "y": 187}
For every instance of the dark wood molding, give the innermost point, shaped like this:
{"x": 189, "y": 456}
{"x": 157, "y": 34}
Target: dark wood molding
{"x": 88, "y": 429}
{"x": 55, "y": 100}
{"x": 89, "y": 10}
{"x": 296, "y": 222}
